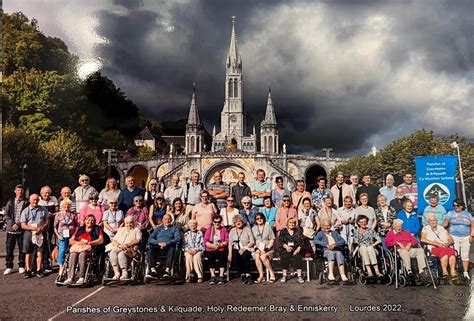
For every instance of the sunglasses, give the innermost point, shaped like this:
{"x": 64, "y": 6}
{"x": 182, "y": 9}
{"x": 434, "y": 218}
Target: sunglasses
{"x": 217, "y": 222}
{"x": 84, "y": 180}
{"x": 137, "y": 201}
{"x": 112, "y": 202}
{"x": 259, "y": 219}
{"x": 245, "y": 202}
{"x": 286, "y": 201}
{"x": 153, "y": 184}
{"x": 230, "y": 200}
{"x": 93, "y": 199}
{"x": 457, "y": 205}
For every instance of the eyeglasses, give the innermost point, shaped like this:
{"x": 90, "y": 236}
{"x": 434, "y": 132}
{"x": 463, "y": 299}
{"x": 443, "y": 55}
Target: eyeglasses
{"x": 153, "y": 184}
{"x": 84, "y": 180}
{"x": 245, "y": 202}
{"x": 93, "y": 199}
{"x": 112, "y": 202}
{"x": 457, "y": 205}
{"x": 286, "y": 201}
{"x": 259, "y": 219}
{"x": 230, "y": 200}
{"x": 137, "y": 201}
{"x": 217, "y": 222}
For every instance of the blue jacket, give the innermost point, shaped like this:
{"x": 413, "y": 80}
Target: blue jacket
{"x": 125, "y": 199}
{"x": 322, "y": 240}
{"x": 411, "y": 223}
{"x": 170, "y": 235}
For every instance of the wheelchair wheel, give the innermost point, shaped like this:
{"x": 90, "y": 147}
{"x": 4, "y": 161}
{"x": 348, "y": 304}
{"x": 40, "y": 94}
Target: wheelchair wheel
{"x": 106, "y": 276}
{"x": 321, "y": 278}
{"x": 389, "y": 279}
{"x": 402, "y": 280}
{"x": 362, "y": 280}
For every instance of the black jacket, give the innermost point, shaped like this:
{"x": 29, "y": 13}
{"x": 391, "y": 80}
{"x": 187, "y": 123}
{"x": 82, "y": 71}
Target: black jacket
{"x": 9, "y": 214}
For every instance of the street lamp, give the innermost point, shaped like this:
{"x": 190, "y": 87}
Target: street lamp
{"x": 327, "y": 150}
{"x": 23, "y": 174}
{"x": 109, "y": 152}
{"x": 456, "y": 146}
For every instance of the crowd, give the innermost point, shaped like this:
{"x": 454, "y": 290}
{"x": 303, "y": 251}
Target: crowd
{"x": 235, "y": 225}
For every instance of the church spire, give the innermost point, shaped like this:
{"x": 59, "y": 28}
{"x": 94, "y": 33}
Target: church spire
{"x": 193, "y": 118}
{"x": 270, "y": 118}
{"x": 233, "y": 57}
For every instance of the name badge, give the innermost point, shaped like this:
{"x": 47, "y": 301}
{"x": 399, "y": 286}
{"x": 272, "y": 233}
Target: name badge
{"x": 261, "y": 246}
{"x": 66, "y": 232}
{"x": 291, "y": 244}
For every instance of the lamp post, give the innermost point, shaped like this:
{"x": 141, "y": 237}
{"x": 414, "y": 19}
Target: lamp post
{"x": 23, "y": 174}
{"x": 327, "y": 150}
{"x": 456, "y": 146}
{"x": 109, "y": 152}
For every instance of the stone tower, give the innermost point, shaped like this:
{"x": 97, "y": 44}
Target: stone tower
{"x": 269, "y": 143}
{"x": 194, "y": 129}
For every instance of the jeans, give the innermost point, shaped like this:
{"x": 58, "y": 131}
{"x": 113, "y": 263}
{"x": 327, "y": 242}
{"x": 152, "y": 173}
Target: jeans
{"x": 13, "y": 239}
{"x": 63, "y": 245}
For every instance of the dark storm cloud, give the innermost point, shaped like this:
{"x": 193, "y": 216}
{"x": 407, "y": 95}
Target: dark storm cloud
{"x": 344, "y": 74}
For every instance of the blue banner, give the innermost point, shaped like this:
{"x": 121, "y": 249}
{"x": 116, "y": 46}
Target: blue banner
{"x": 436, "y": 175}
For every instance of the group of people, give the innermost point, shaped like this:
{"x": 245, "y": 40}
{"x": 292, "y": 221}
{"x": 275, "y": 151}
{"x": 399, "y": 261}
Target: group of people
{"x": 235, "y": 225}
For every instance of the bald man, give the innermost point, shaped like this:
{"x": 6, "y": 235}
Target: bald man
{"x": 389, "y": 189}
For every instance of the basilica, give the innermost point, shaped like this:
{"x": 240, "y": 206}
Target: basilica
{"x": 234, "y": 148}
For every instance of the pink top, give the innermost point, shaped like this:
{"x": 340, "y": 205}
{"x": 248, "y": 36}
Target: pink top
{"x": 140, "y": 215}
{"x": 283, "y": 215}
{"x": 98, "y": 212}
{"x": 204, "y": 214}
{"x": 297, "y": 200}
{"x": 404, "y": 238}
{"x": 216, "y": 236}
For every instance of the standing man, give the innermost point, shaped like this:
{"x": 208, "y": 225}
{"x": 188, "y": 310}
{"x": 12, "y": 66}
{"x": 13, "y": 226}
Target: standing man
{"x": 370, "y": 189}
{"x": 219, "y": 191}
{"x": 192, "y": 192}
{"x": 410, "y": 189}
{"x": 434, "y": 208}
{"x": 174, "y": 191}
{"x": 240, "y": 190}
{"x": 354, "y": 186}
{"x": 13, "y": 210}
{"x": 340, "y": 190}
{"x": 320, "y": 193}
{"x": 260, "y": 189}
{"x": 126, "y": 196}
{"x": 400, "y": 198}
{"x": 389, "y": 189}
{"x": 34, "y": 220}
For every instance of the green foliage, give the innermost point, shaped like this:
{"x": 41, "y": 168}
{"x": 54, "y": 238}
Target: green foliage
{"x": 145, "y": 151}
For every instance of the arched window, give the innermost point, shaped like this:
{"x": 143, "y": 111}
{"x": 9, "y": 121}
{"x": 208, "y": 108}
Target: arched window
{"x": 230, "y": 87}
{"x": 187, "y": 145}
{"x": 236, "y": 90}
{"x": 193, "y": 147}
{"x": 270, "y": 144}
{"x": 276, "y": 146}
{"x": 264, "y": 147}
{"x": 198, "y": 144}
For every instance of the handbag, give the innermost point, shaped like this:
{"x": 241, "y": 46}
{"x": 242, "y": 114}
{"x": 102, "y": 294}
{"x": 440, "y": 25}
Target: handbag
{"x": 130, "y": 252}
{"x": 309, "y": 232}
{"x": 79, "y": 248}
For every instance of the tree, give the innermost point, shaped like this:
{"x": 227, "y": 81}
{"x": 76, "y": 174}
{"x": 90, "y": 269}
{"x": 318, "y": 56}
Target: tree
{"x": 145, "y": 151}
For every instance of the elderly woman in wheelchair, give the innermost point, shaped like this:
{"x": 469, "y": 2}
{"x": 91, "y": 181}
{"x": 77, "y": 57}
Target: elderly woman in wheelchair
{"x": 366, "y": 239}
{"x": 439, "y": 243}
{"x": 124, "y": 248}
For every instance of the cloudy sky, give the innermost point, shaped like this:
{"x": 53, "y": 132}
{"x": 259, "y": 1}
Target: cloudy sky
{"x": 344, "y": 74}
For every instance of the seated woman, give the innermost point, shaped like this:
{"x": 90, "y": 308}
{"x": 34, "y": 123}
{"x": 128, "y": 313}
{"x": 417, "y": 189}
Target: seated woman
{"x": 367, "y": 239}
{"x": 228, "y": 213}
{"x": 241, "y": 240}
{"x": 285, "y": 212}
{"x": 193, "y": 249}
{"x": 248, "y": 213}
{"x": 82, "y": 242}
{"x": 404, "y": 242}
{"x": 64, "y": 225}
{"x": 264, "y": 241}
{"x": 439, "y": 241}
{"x": 291, "y": 249}
{"x": 140, "y": 217}
{"x": 409, "y": 218}
{"x": 307, "y": 222}
{"x": 327, "y": 212}
{"x": 268, "y": 210}
{"x": 163, "y": 241}
{"x": 216, "y": 239}
{"x": 157, "y": 211}
{"x": 332, "y": 244}
{"x": 113, "y": 218}
{"x": 123, "y": 245}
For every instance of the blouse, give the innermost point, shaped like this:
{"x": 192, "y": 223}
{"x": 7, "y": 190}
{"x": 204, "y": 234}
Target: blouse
{"x": 277, "y": 197}
{"x": 264, "y": 235}
{"x": 193, "y": 240}
{"x": 227, "y": 217}
{"x": 140, "y": 215}
{"x": 242, "y": 239}
{"x": 270, "y": 214}
{"x": 124, "y": 236}
{"x": 65, "y": 221}
{"x": 387, "y": 218}
{"x": 367, "y": 238}
{"x": 297, "y": 238}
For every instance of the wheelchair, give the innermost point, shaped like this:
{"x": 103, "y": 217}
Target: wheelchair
{"x": 93, "y": 273}
{"x": 434, "y": 264}
{"x": 136, "y": 270}
{"x": 383, "y": 262}
{"x": 178, "y": 269}
{"x": 322, "y": 262}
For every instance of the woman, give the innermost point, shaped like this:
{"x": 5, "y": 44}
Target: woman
{"x": 140, "y": 216}
{"x": 151, "y": 192}
{"x": 110, "y": 191}
{"x": 439, "y": 242}
{"x": 268, "y": 210}
{"x": 241, "y": 241}
{"x": 367, "y": 239}
{"x": 279, "y": 192}
{"x": 228, "y": 213}
{"x": 291, "y": 249}
{"x": 204, "y": 211}
{"x": 216, "y": 240}
{"x": 82, "y": 242}
{"x": 409, "y": 218}
{"x": 178, "y": 215}
{"x": 461, "y": 228}
{"x": 299, "y": 195}
{"x": 82, "y": 192}
{"x": 264, "y": 241}
{"x": 248, "y": 213}
{"x": 113, "y": 218}
{"x": 285, "y": 212}
{"x": 384, "y": 215}
{"x": 93, "y": 208}
{"x": 193, "y": 248}
{"x": 307, "y": 222}
{"x": 65, "y": 224}
{"x": 124, "y": 248}
{"x": 332, "y": 245}
{"x": 157, "y": 211}
{"x": 327, "y": 212}
{"x": 366, "y": 210}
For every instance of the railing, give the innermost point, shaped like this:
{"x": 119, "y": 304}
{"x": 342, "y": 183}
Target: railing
{"x": 282, "y": 171}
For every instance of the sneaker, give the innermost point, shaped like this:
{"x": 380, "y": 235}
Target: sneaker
{"x": 68, "y": 282}
{"x": 48, "y": 269}
{"x": 80, "y": 281}
{"x": 283, "y": 279}
{"x": 466, "y": 275}
{"x": 21, "y": 270}
{"x": 212, "y": 281}
{"x": 116, "y": 276}
{"x": 166, "y": 275}
{"x": 124, "y": 275}
{"x": 151, "y": 276}
{"x": 199, "y": 280}
{"x": 27, "y": 275}
{"x": 220, "y": 280}
{"x": 331, "y": 277}
{"x": 248, "y": 280}
{"x": 7, "y": 271}
{"x": 300, "y": 280}
{"x": 39, "y": 274}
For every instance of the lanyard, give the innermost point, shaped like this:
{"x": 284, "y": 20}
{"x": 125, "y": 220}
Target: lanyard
{"x": 260, "y": 233}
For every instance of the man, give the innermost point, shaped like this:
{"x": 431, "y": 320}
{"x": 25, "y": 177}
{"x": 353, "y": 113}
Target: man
{"x": 410, "y": 189}
{"x": 340, "y": 190}
{"x": 354, "y": 186}
{"x": 434, "y": 208}
{"x": 320, "y": 193}
{"x": 192, "y": 192}
{"x": 240, "y": 190}
{"x": 13, "y": 210}
{"x": 52, "y": 205}
{"x": 174, "y": 191}
{"x": 219, "y": 191}
{"x": 400, "y": 198}
{"x": 405, "y": 242}
{"x": 66, "y": 193}
{"x": 347, "y": 215}
{"x": 163, "y": 241}
{"x": 260, "y": 189}
{"x": 370, "y": 189}
{"x": 126, "y": 196}
{"x": 389, "y": 189}
{"x": 34, "y": 220}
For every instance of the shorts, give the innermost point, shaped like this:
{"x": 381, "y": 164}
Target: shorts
{"x": 442, "y": 251}
{"x": 269, "y": 254}
{"x": 462, "y": 245}
{"x": 28, "y": 246}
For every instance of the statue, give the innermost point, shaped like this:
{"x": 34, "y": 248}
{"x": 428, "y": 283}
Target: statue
{"x": 284, "y": 148}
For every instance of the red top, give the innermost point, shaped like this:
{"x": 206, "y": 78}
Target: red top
{"x": 403, "y": 237}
